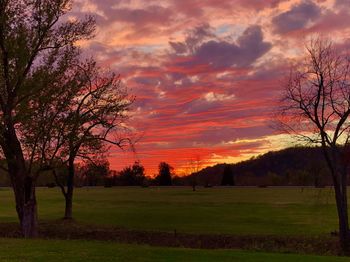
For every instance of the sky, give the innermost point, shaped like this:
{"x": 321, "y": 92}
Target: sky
{"x": 207, "y": 74}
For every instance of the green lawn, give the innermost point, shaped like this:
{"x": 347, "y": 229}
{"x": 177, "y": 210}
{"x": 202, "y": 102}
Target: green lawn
{"x": 52, "y": 250}
{"x": 278, "y": 211}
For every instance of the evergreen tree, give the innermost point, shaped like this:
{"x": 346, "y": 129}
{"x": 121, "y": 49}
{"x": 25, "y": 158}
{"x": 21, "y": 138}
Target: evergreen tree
{"x": 164, "y": 177}
{"x": 227, "y": 177}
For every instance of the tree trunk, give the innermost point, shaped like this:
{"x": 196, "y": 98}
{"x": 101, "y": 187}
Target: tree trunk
{"x": 339, "y": 174}
{"x": 22, "y": 182}
{"x": 338, "y": 167}
{"x": 69, "y": 195}
{"x": 29, "y": 222}
{"x": 26, "y": 205}
{"x": 68, "y": 208}
{"x": 342, "y": 208}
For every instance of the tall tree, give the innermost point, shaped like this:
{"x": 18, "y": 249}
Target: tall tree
{"x": 95, "y": 119}
{"x": 164, "y": 177}
{"x": 227, "y": 177}
{"x": 89, "y": 115}
{"x": 316, "y": 107}
{"x": 133, "y": 175}
{"x": 33, "y": 35}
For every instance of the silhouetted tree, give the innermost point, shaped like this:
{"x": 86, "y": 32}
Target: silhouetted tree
{"x": 84, "y": 116}
{"x": 79, "y": 113}
{"x": 93, "y": 121}
{"x": 194, "y": 167}
{"x": 95, "y": 172}
{"x": 317, "y": 108}
{"x": 133, "y": 175}
{"x": 227, "y": 177}
{"x": 34, "y": 43}
{"x": 164, "y": 177}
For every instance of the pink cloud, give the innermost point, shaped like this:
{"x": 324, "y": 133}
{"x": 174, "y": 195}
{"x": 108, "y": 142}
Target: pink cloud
{"x": 199, "y": 90}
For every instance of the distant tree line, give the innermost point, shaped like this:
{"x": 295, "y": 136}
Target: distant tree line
{"x": 98, "y": 173}
{"x": 135, "y": 176}
{"x": 297, "y": 166}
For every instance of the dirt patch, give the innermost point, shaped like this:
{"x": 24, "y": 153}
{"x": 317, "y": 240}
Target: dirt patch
{"x": 63, "y": 229}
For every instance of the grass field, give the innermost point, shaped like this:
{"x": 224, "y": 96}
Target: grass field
{"x": 238, "y": 211}
{"x": 281, "y": 211}
{"x": 53, "y": 250}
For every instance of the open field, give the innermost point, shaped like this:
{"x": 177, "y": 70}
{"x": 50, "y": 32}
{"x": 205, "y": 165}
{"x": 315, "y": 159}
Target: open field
{"x": 54, "y": 250}
{"x": 278, "y": 211}
{"x": 268, "y": 213}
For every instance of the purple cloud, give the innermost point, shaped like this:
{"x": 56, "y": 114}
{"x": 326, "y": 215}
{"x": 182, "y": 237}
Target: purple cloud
{"x": 342, "y": 3}
{"x": 296, "y": 18}
{"x": 220, "y": 54}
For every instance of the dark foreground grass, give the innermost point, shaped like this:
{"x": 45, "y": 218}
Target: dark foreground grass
{"x": 270, "y": 219}
{"x": 55, "y": 250}
{"x": 239, "y": 211}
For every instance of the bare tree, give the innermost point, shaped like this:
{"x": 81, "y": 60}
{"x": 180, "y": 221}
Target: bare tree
{"x": 194, "y": 166}
{"x": 31, "y": 32}
{"x": 316, "y": 107}
{"x": 76, "y": 121}
{"x": 95, "y": 119}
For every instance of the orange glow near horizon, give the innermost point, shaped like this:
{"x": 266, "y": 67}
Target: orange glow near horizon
{"x": 207, "y": 75}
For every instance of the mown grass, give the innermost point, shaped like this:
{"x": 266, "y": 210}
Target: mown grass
{"x": 278, "y": 211}
{"x": 55, "y": 250}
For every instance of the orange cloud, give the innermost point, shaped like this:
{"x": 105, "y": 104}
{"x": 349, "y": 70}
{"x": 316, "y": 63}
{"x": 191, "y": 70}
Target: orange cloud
{"x": 207, "y": 75}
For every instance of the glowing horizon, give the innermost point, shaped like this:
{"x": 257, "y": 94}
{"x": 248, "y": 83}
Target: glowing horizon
{"x": 206, "y": 74}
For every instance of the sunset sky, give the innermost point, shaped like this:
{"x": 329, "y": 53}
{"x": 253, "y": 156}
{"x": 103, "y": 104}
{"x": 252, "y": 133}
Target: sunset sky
{"x": 207, "y": 74}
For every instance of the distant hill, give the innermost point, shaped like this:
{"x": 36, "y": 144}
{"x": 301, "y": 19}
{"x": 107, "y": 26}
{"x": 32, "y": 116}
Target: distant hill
{"x": 291, "y": 166}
